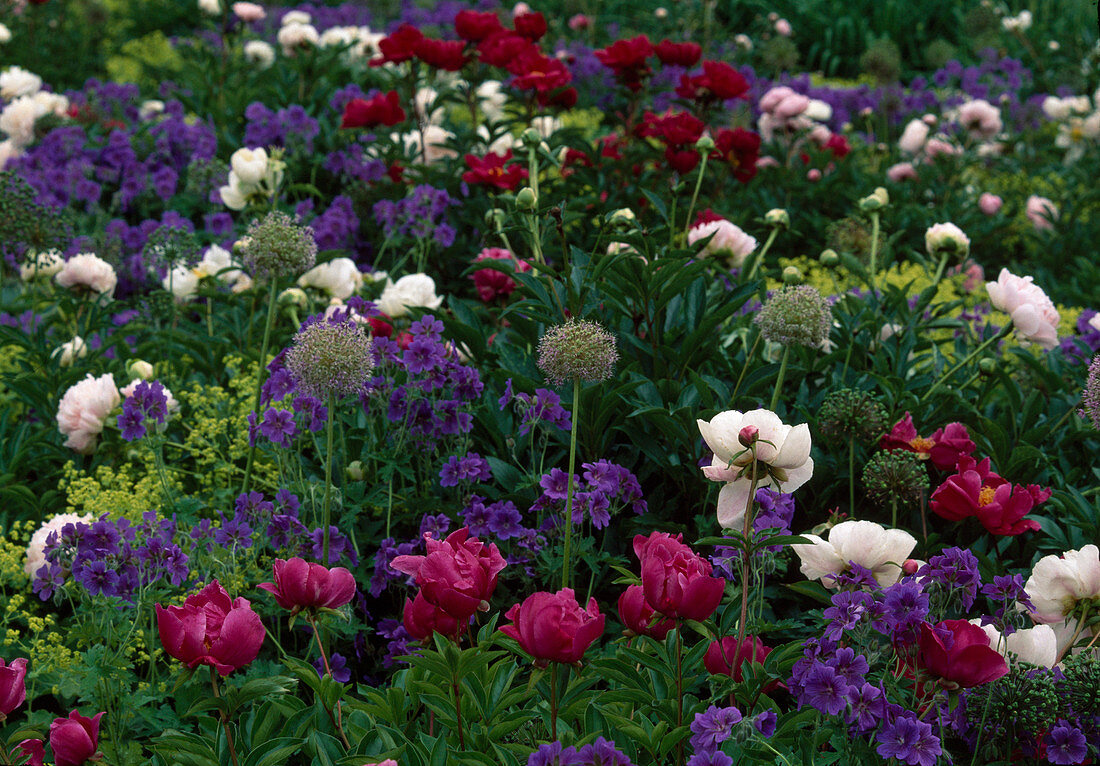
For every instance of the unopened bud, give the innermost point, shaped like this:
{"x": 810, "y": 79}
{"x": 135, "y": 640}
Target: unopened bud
{"x": 139, "y": 369}
{"x": 705, "y": 144}
{"x": 526, "y": 200}
{"x": 748, "y": 436}
{"x": 910, "y": 567}
{"x": 877, "y": 200}
{"x": 294, "y": 296}
{"x": 495, "y": 217}
{"x": 829, "y": 258}
{"x": 777, "y": 217}
{"x": 355, "y": 470}
{"x": 531, "y": 137}
{"x": 792, "y": 275}
{"x": 987, "y": 366}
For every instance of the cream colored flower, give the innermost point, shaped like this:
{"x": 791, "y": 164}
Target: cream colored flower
{"x": 339, "y": 277}
{"x": 865, "y": 543}
{"x": 411, "y": 291}
{"x": 1038, "y": 645}
{"x": 1059, "y": 583}
{"x": 87, "y": 270}
{"x": 84, "y": 409}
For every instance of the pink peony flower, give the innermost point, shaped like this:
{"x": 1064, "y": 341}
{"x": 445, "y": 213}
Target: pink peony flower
{"x": 1041, "y": 212}
{"x": 727, "y": 240}
{"x": 422, "y": 618}
{"x": 88, "y": 271}
{"x": 903, "y": 171}
{"x": 639, "y": 617}
{"x": 552, "y": 627}
{"x": 965, "y": 660}
{"x": 1032, "y": 312}
{"x": 725, "y": 657}
{"x": 913, "y": 137}
{"x": 13, "y": 689}
{"x": 75, "y": 739}
{"x": 249, "y": 12}
{"x": 990, "y": 204}
{"x": 211, "y": 629}
{"x": 491, "y": 283}
{"x": 301, "y": 585}
{"x": 783, "y": 28}
{"x": 980, "y": 118}
{"x": 84, "y": 409}
{"x": 458, "y": 574}
{"x": 676, "y": 581}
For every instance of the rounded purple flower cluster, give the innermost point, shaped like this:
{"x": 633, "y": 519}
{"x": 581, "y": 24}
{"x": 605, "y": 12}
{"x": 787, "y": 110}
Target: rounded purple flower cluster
{"x": 331, "y": 358}
{"x": 577, "y": 350}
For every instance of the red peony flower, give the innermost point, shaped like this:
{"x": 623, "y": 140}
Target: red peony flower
{"x": 552, "y": 627}
{"x": 944, "y": 447}
{"x": 13, "y": 688}
{"x": 399, "y": 46}
{"x": 674, "y": 128}
{"x": 627, "y": 59}
{"x": 839, "y": 146}
{"x": 502, "y": 48}
{"x": 537, "y": 72}
{"x": 379, "y": 327}
{"x": 676, "y": 580}
{"x": 683, "y": 161}
{"x": 422, "y": 618}
{"x": 724, "y": 659}
{"x": 458, "y": 574}
{"x": 739, "y": 149}
{"x": 678, "y": 54}
{"x": 383, "y": 109}
{"x": 491, "y": 283}
{"x": 492, "y": 170}
{"x": 476, "y": 26}
{"x": 970, "y": 660}
{"x": 638, "y": 616}
{"x": 979, "y": 492}
{"x": 706, "y": 216}
{"x": 448, "y": 55}
{"x": 530, "y": 25}
{"x": 718, "y": 82}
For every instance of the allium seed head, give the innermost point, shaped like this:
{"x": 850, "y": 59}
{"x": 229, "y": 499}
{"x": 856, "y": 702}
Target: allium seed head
{"x": 331, "y": 358}
{"x": 796, "y": 316}
{"x": 276, "y": 246}
{"x": 895, "y": 474}
{"x": 578, "y": 349}
{"x": 847, "y": 413}
{"x": 1091, "y": 398}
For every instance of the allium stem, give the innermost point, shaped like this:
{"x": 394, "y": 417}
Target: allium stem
{"x": 329, "y": 459}
{"x": 759, "y": 257}
{"x": 744, "y": 369}
{"x": 873, "y": 269}
{"x": 695, "y": 194}
{"x": 852, "y": 476}
{"x": 779, "y": 379}
{"x": 990, "y": 341}
{"x": 565, "y": 570}
{"x": 260, "y": 374}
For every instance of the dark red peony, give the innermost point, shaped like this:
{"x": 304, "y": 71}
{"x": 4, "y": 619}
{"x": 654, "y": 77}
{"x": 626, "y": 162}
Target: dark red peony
{"x": 678, "y": 54}
{"x": 493, "y": 170}
{"x": 383, "y": 109}
{"x": 970, "y": 660}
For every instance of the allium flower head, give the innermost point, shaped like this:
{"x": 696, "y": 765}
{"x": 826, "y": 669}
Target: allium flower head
{"x": 331, "y": 358}
{"x": 895, "y": 474}
{"x": 796, "y": 316}
{"x": 276, "y": 246}
{"x": 848, "y": 413}
{"x": 1091, "y": 398}
{"x": 578, "y": 349}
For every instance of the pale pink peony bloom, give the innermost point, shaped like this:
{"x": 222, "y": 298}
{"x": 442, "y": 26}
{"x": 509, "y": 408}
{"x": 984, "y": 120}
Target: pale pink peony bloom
{"x": 782, "y": 455}
{"x": 412, "y": 290}
{"x": 913, "y": 137}
{"x": 1058, "y": 583}
{"x": 1032, "y": 312}
{"x": 83, "y": 411}
{"x": 88, "y": 271}
{"x": 903, "y": 171}
{"x": 813, "y": 175}
{"x": 980, "y": 118}
{"x": 783, "y": 28}
{"x": 1038, "y": 645}
{"x": 249, "y": 12}
{"x": 1041, "y": 211}
{"x": 728, "y": 241}
{"x": 990, "y": 204}
{"x": 520, "y": 9}
{"x": 937, "y": 147}
{"x": 579, "y": 22}
{"x": 870, "y": 545}
{"x": 946, "y": 237}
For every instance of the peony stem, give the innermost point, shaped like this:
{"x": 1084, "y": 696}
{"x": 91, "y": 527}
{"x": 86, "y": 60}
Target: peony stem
{"x": 260, "y": 381}
{"x": 339, "y": 718}
{"x": 939, "y": 269}
{"x": 852, "y": 476}
{"x": 225, "y": 718}
{"x": 695, "y": 194}
{"x": 763, "y": 251}
{"x": 779, "y": 379}
{"x": 554, "y": 701}
{"x": 565, "y": 571}
{"x": 873, "y": 270}
{"x": 1004, "y": 331}
{"x": 742, "y": 627}
{"x": 1080, "y": 626}
{"x": 744, "y": 368}
{"x": 329, "y": 458}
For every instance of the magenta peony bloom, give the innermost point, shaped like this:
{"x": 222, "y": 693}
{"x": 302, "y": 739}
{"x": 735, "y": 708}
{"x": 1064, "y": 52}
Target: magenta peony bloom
{"x": 552, "y": 627}
{"x": 211, "y": 629}
{"x": 301, "y": 585}
{"x": 637, "y": 615}
{"x": 676, "y": 581}
{"x": 970, "y": 661}
{"x": 458, "y": 575}
{"x": 724, "y": 659}
{"x": 13, "y": 689}
{"x": 74, "y": 740}
{"x": 422, "y": 618}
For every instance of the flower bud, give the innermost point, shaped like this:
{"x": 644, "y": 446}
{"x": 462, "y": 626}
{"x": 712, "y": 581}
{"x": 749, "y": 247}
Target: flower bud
{"x": 355, "y": 470}
{"x": 531, "y": 138}
{"x": 877, "y": 200}
{"x": 622, "y": 217}
{"x": 494, "y": 217}
{"x": 910, "y": 567}
{"x": 778, "y": 217}
{"x": 829, "y": 258}
{"x": 294, "y": 296}
{"x": 705, "y": 144}
{"x": 987, "y": 365}
{"x": 526, "y": 200}
{"x": 139, "y": 369}
{"x": 792, "y": 276}
{"x": 748, "y": 435}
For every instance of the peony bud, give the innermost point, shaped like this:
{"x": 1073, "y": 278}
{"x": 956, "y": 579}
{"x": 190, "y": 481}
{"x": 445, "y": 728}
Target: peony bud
{"x": 877, "y": 200}
{"x": 792, "y": 275}
{"x": 748, "y": 435}
{"x": 829, "y": 258}
{"x": 987, "y": 365}
{"x": 910, "y": 567}
{"x": 139, "y": 369}
{"x": 527, "y": 200}
{"x": 705, "y": 144}
{"x": 778, "y": 217}
{"x": 355, "y": 470}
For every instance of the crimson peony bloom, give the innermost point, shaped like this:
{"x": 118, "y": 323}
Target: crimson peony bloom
{"x": 718, "y": 82}
{"x": 75, "y": 739}
{"x": 211, "y": 629}
{"x": 504, "y": 47}
{"x": 537, "y": 72}
{"x": 33, "y": 751}
{"x": 475, "y": 26}
{"x": 458, "y": 574}
{"x": 739, "y": 149}
{"x": 530, "y": 25}
{"x": 13, "y": 687}
{"x": 383, "y": 109}
{"x": 674, "y": 128}
{"x": 492, "y": 170}
{"x": 301, "y": 585}
{"x": 627, "y": 59}
{"x": 944, "y": 447}
{"x": 678, "y": 54}
{"x": 399, "y": 46}
{"x": 491, "y": 283}
{"x": 979, "y": 492}
{"x": 552, "y": 627}
{"x": 676, "y": 581}
{"x": 724, "y": 659}
{"x": 970, "y": 661}
{"x": 422, "y": 618}
{"x": 448, "y": 55}
{"x": 637, "y": 615}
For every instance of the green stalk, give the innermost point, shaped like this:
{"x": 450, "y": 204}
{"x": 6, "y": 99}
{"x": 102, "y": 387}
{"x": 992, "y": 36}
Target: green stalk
{"x": 1002, "y": 334}
{"x": 695, "y": 194}
{"x": 873, "y": 270}
{"x": 744, "y": 368}
{"x": 939, "y": 269}
{"x": 330, "y": 458}
{"x": 763, "y": 251}
{"x": 260, "y": 374}
{"x": 779, "y": 380}
{"x": 565, "y": 570}
{"x": 852, "y": 476}
{"x": 742, "y": 627}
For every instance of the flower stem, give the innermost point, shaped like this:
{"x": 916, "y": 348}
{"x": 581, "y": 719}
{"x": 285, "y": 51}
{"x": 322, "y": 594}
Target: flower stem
{"x": 852, "y": 476}
{"x": 744, "y": 369}
{"x": 779, "y": 379}
{"x": 680, "y": 688}
{"x": 329, "y": 459}
{"x": 1004, "y": 331}
{"x": 695, "y": 194}
{"x": 339, "y": 718}
{"x": 939, "y": 269}
{"x": 260, "y": 379}
{"x": 742, "y": 627}
{"x": 872, "y": 272}
{"x": 763, "y": 251}
{"x": 458, "y": 713}
{"x": 554, "y": 701}
{"x": 565, "y": 570}
{"x": 225, "y": 719}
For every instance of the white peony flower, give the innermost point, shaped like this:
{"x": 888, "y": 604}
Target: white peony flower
{"x": 84, "y": 409}
{"x": 89, "y": 271}
{"x": 69, "y": 352}
{"x": 913, "y": 137}
{"x": 865, "y": 543}
{"x": 946, "y": 237}
{"x": 729, "y": 241}
{"x": 294, "y": 36}
{"x": 435, "y": 138}
{"x": 980, "y": 118}
{"x": 210, "y": 7}
{"x": 250, "y": 165}
{"x": 8, "y": 150}
{"x": 5, "y": 34}
{"x": 45, "y": 265}
{"x": 35, "y": 555}
{"x": 1033, "y": 314}
{"x": 170, "y": 401}
{"x": 259, "y": 52}
{"x": 339, "y": 277}
{"x": 296, "y": 17}
{"x": 217, "y": 263}
{"x": 782, "y": 458}
{"x": 1058, "y": 583}
{"x": 53, "y": 103}
{"x": 492, "y": 97}
{"x": 139, "y": 369}
{"x": 151, "y": 108}
{"x": 411, "y": 291}
{"x": 18, "y": 118}
{"x": 16, "y": 81}
{"x": 182, "y": 282}
{"x": 1038, "y": 645}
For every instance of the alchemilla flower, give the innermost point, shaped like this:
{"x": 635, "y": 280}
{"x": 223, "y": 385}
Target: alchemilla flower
{"x": 796, "y": 316}
{"x": 330, "y": 358}
{"x": 577, "y": 350}
{"x": 779, "y": 457}
{"x": 276, "y": 246}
